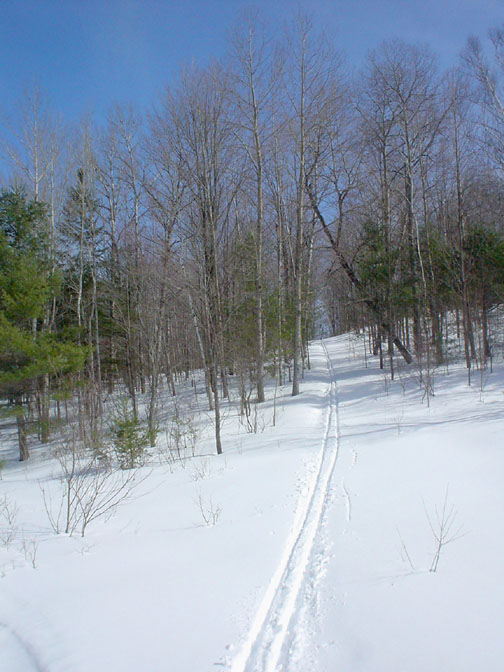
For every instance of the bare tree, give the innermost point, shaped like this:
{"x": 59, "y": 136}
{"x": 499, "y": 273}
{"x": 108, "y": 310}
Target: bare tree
{"x": 196, "y": 115}
{"x": 255, "y": 79}
{"x": 458, "y": 130}
{"x": 488, "y": 75}
{"x": 308, "y": 85}
{"x": 409, "y": 79}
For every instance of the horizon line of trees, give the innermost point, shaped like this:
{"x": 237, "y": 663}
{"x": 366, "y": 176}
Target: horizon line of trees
{"x": 264, "y": 198}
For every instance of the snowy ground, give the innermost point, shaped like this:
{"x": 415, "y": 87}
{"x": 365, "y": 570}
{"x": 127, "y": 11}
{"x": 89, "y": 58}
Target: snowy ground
{"x": 319, "y": 559}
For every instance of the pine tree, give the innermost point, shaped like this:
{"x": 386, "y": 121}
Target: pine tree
{"x": 28, "y": 351}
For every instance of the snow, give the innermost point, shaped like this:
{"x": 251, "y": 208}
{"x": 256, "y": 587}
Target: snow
{"x": 306, "y": 568}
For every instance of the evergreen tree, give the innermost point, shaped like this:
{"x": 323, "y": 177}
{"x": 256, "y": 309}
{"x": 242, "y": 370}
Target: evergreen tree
{"x": 29, "y": 353}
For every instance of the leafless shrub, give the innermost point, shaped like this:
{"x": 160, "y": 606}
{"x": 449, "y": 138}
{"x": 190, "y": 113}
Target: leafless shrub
{"x": 201, "y": 470}
{"x": 405, "y": 552}
{"x": 182, "y": 436}
{"x": 53, "y": 511}
{"x": 29, "y": 548}
{"x": 399, "y": 421}
{"x": 210, "y": 512}
{"x": 8, "y": 516}
{"x": 103, "y": 492}
{"x": 386, "y": 381}
{"x": 443, "y": 528}
{"x": 90, "y": 487}
{"x": 425, "y": 377}
{"x": 444, "y": 531}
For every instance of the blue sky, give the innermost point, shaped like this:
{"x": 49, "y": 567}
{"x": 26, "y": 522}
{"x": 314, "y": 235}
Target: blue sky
{"x": 86, "y": 54}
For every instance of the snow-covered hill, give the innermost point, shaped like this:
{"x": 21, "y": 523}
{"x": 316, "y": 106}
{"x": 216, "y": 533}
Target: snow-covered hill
{"x": 319, "y": 558}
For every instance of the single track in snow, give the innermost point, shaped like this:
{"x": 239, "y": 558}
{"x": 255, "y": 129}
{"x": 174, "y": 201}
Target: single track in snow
{"x": 267, "y": 648}
{"x": 19, "y": 654}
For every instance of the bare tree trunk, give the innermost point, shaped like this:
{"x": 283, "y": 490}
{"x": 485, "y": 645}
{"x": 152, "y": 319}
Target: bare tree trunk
{"x": 298, "y": 253}
{"x": 24, "y": 453}
{"x": 413, "y": 261}
{"x": 215, "y": 388}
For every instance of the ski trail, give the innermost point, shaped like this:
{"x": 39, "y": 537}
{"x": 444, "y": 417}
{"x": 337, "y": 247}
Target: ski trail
{"x": 17, "y": 646}
{"x": 268, "y": 644}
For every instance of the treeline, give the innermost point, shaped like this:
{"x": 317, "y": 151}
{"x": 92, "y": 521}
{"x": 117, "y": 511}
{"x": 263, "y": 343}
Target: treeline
{"x": 262, "y": 198}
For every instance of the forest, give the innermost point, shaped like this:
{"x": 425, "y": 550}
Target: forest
{"x": 270, "y": 197}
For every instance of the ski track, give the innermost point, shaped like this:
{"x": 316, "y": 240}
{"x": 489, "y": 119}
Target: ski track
{"x": 273, "y": 634}
{"x": 31, "y": 658}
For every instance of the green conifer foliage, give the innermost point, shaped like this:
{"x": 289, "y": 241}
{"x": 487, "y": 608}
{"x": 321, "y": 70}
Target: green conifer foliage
{"x": 28, "y": 351}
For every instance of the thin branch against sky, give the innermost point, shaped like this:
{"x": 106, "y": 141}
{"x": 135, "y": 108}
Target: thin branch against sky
{"x": 86, "y": 54}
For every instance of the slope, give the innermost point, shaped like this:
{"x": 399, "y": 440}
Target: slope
{"x": 320, "y": 553}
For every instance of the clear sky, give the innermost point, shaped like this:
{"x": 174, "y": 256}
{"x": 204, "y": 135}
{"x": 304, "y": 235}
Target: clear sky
{"x": 86, "y": 54}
